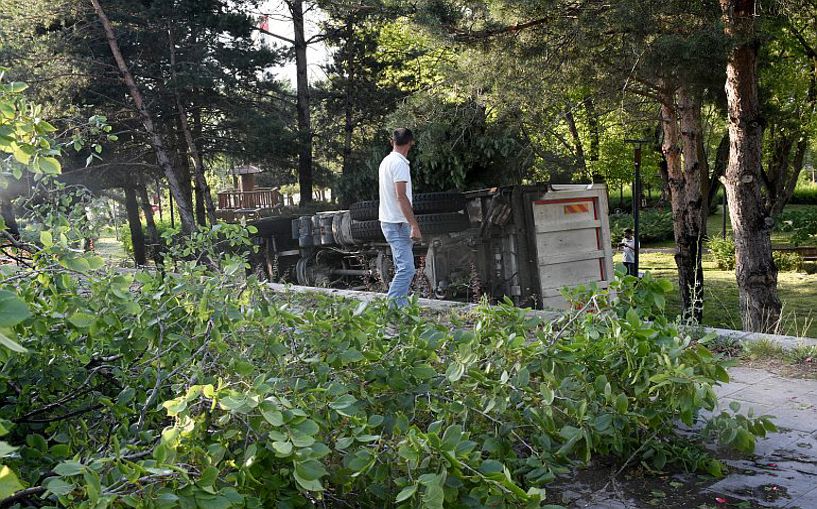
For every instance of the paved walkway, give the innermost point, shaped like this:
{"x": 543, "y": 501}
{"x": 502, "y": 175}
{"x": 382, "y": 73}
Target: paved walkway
{"x": 781, "y": 473}
{"x": 783, "y": 470}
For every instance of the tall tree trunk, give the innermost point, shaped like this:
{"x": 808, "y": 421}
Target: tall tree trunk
{"x": 686, "y": 229}
{"x": 181, "y": 162}
{"x": 789, "y": 155}
{"x": 593, "y": 126}
{"x": 296, "y": 8}
{"x": 7, "y": 212}
{"x": 348, "y": 126}
{"x": 693, "y": 212}
{"x": 153, "y": 232}
{"x": 205, "y": 186}
{"x": 577, "y": 141}
{"x": 721, "y": 159}
{"x": 136, "y": 234}
{"x": 755, "y": 269}
{"x": 185, "y": 207}
{"x": 204, "y": 201}
{"x": 199, "y": 208}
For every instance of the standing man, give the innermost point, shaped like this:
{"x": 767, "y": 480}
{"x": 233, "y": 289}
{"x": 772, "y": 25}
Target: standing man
{"x": 628, "y": 245}
{"x": 396, "y": 215}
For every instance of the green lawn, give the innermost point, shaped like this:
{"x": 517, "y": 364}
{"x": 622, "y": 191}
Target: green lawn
{"x": 798, "y": 292}
{"x": 714, "y": 225}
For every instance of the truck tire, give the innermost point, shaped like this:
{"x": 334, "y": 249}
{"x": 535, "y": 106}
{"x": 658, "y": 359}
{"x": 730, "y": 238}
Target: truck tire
{"x": 430, "y": 224}
{"x": 423, "y": 203}
{"x": 272, "y": 226}
{"x": 364, "y": 210}
{"x": 434, "y": 203}
{"x": 367, "y": 231}
{"x": 448, "y": 222}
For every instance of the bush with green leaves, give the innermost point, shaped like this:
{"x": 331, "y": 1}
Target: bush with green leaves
{"x": 653, "y": 226}
{"x": 805, "y": 193}
{"x": 788, "y": 261}
{"x": 723, "y": 251}
{"x": 801, "y": 223}
{"x": 202, "y": 388}
{"x": 161, "y": 228}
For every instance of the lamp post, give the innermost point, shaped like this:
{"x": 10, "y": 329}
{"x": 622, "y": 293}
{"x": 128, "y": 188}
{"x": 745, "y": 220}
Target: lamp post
{"x": 636, "y": 197}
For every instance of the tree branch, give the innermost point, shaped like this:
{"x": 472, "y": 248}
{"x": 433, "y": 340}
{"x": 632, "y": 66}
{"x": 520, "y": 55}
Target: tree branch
{"x": 281, "y": 37}
{"x": 22, "y": 495}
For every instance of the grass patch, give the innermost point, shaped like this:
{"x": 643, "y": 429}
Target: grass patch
{"x": 714, "y": 225}
{"x": 111, "y": 250}
{"x": 797, "y": 291}
{"x": 764, "y": 349}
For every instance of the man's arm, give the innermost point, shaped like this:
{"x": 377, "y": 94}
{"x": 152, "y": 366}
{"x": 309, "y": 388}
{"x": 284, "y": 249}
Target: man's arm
{"x": 405, "y": 208}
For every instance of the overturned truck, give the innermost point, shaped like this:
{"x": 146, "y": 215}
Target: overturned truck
{"x": 524, "y": 243}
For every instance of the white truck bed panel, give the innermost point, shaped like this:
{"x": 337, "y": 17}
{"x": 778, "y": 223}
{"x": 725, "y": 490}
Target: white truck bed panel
{"x": 572, "y": 240}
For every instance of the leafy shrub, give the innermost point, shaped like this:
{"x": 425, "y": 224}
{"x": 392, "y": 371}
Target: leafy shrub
{"x": 163, "y": 228}
{"x": 805, "y": 193}
{"x": 788, "y": 261}
{"x": 723, "y": 250}
{"x": 802, "y": 224}
{"x": 802, "y": 354}
{"x": 654, "y": 226}
{"x": 209, "y": 391}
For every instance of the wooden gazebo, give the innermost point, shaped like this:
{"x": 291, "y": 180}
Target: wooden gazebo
{"x": 245, "y": 196}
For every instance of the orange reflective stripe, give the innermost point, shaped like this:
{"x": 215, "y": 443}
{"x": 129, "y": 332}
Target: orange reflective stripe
{"x": 577, "y": 208}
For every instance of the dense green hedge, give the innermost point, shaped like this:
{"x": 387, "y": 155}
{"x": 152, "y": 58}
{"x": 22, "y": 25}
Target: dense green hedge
{"x": 723, "y": 251}
{"x": 804, "y": 194}
{"x": 802, "y": 224}
{"x": 127, "y": 243}
{"x": 654, "y": 226}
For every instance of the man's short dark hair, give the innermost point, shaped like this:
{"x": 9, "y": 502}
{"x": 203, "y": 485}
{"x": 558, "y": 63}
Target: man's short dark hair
{"x": 402, "y": 136}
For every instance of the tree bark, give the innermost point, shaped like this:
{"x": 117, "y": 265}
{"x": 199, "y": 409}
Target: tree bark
{"x": 153, "y": 232}
{"x": 181, "y": 163}
{"x": 185, "y": 208}
{"x": 593, "y": 126}
{"x": 348, "y": 126}
{"x": 577, "y": 141}
{"x": 691, "y": 214}
{"x": 788, "y": 155}
{"x": 136, "y": 234}
{"x": 204, "y": 201}
{"x": 302, "y": 86}
{"x": 755, "y": 270}
{"x": 721, "y": 160}
{"x": 7, "y": 212}
{"x": 685, "y": 204}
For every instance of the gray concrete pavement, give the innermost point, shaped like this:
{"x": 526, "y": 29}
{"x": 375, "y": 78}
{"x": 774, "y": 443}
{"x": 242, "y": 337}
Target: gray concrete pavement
{"x": 783, "y": 470}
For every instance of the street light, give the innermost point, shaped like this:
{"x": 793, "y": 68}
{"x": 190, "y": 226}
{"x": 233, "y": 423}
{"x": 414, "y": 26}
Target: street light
{"x": 636, "y": 196}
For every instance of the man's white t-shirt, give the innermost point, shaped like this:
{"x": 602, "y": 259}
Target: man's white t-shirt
{"x": 629, "y": 250}
{"x": 394, "y": 168}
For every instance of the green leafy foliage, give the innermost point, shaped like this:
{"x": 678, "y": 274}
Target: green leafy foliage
{"x": 723, "y": 251}
{"x": 788, "y": 261}
{"x": 200, "y": 388}
{"x": 805, "y": 194}
{"x": 802, "y": 224}
{"x": 654, "y": 226}
{"x": 459, "y": 144}
{"x": 163, "y": 228}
